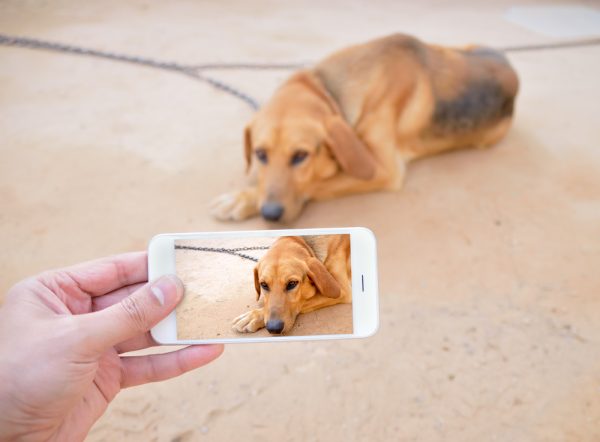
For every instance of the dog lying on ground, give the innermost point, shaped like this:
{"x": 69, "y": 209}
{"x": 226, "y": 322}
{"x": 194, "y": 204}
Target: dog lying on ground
{"x": 353, "y": 122}
{"x": 298, "y": 274}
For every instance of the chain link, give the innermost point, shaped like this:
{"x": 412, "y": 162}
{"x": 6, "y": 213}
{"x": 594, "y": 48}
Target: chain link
{"x": 230, "y": 251}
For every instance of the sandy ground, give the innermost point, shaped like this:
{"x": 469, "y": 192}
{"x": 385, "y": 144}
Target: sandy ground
{"x": 219, "y": 287}
{"x": 489, "y": 260}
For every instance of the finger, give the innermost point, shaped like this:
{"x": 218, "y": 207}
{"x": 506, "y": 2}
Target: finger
{"x": 138, "y": 343}
{"x": 133, "y": 315}
{"x": 101, "y": 302}
{"x": 137, "y": 370}
{"x": 108, "y": 274}
{"x": 105, "y": 301}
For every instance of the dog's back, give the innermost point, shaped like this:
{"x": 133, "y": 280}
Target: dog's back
{"x": 444, "y": 97}
{"x": 332, "y": 250}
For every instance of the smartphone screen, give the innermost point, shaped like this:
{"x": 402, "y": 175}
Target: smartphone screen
{"x": 228, "y": 278}
{"x": 268, "y": 285}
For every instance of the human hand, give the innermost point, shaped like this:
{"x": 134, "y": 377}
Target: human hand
{"x": 61, "y": 336}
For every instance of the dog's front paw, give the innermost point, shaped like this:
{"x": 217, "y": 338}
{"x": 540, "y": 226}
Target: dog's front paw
{"x": 235, "y": 206}
{"x": 249, "y": 322}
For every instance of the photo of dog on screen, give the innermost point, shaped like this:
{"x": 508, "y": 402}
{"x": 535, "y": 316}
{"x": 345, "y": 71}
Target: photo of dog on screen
{"x": 264, "y": 286}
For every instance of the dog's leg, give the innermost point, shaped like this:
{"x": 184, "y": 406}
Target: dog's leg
{"x": 389, "y": 172}
{"x": 235, "y": 206}
{"x": 342, "y": 184}
{"x": 318, "y": 302}
{"x": 249, "y": 322}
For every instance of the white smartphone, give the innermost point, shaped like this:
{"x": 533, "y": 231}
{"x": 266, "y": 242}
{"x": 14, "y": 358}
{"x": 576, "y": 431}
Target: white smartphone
{"x": 270, "y": 285}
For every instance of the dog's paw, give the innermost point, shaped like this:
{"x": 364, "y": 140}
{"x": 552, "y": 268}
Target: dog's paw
{"x": 235, "y": 206}
{"x": 249, "y": 322}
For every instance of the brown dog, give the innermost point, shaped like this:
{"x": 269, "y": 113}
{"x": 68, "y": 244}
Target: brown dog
{"x": 353, "y": 122}
{"x": 298, "y": 275}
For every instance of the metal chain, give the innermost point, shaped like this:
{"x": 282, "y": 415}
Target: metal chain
{"x": 557, "y": 45}
{"x": 196, "y": 71}
{"x": 230, "y": 251}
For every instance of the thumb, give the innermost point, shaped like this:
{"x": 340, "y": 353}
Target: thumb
{"x": 135, "y": 314}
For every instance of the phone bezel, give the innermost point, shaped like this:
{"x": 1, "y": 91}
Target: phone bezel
{"x": 365, "y": 297}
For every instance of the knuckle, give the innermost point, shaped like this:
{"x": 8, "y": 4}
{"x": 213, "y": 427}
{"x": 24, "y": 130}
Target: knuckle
{"x": 20, "y": 287}
{"x": 135, "y": 314}
{"x": 150, "y": 371}
{"x": 31, "y": 285}
{"x": 181, "y": 362}
{"x": 120, "y": 272}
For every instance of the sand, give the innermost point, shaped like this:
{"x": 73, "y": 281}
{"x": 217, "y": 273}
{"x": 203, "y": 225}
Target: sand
{"x": 489, "y": 260}
{"x": 219, "y": 287}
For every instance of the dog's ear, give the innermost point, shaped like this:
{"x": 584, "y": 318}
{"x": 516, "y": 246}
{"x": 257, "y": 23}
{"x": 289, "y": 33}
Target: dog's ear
{"x": 351, "y": 153}
{"x": 312, "y": 82}
{"x": 248, "y": 146}
{"x": 256, "y": 283}
{"x": 320, "y": 276}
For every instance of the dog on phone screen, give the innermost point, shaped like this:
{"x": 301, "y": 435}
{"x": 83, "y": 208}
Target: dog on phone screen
{"x": 298, "y": 274}
{"x": 353, "y": 122}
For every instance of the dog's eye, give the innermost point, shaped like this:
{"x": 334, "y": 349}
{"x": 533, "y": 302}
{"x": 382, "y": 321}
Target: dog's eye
{"x": 298, "y": 157}
{"x": 291, "y": 285}
{"x": 265, "y": 286}
{"x": 261, "y": 154}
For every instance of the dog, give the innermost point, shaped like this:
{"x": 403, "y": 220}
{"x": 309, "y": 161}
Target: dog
{"x": 353, "y": 122}
{"x": 298, "y": 274}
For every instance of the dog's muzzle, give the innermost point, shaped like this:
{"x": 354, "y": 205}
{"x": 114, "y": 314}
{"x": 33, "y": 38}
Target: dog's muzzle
{"x": 275, "y": 326}
{"x": 272, "y": 211}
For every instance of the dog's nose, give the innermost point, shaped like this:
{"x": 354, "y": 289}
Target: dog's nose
{"x": 272, "y": 211}
{"x": 275, "y": 326}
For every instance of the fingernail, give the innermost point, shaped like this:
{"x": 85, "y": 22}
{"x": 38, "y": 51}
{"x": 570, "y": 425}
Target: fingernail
{"x": 163, "y": 287}
{"x": 158, "y": 294}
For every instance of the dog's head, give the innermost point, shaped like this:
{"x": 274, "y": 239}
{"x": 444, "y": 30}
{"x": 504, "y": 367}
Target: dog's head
{"x": 287, "y": 276}
{"x": 299, "y": 140}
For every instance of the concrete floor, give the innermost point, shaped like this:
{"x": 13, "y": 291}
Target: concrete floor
{"x": 489, "y": 260}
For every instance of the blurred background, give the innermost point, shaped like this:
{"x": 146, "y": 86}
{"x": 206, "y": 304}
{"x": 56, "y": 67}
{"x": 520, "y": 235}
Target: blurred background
{"x": 489, "y": 260}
